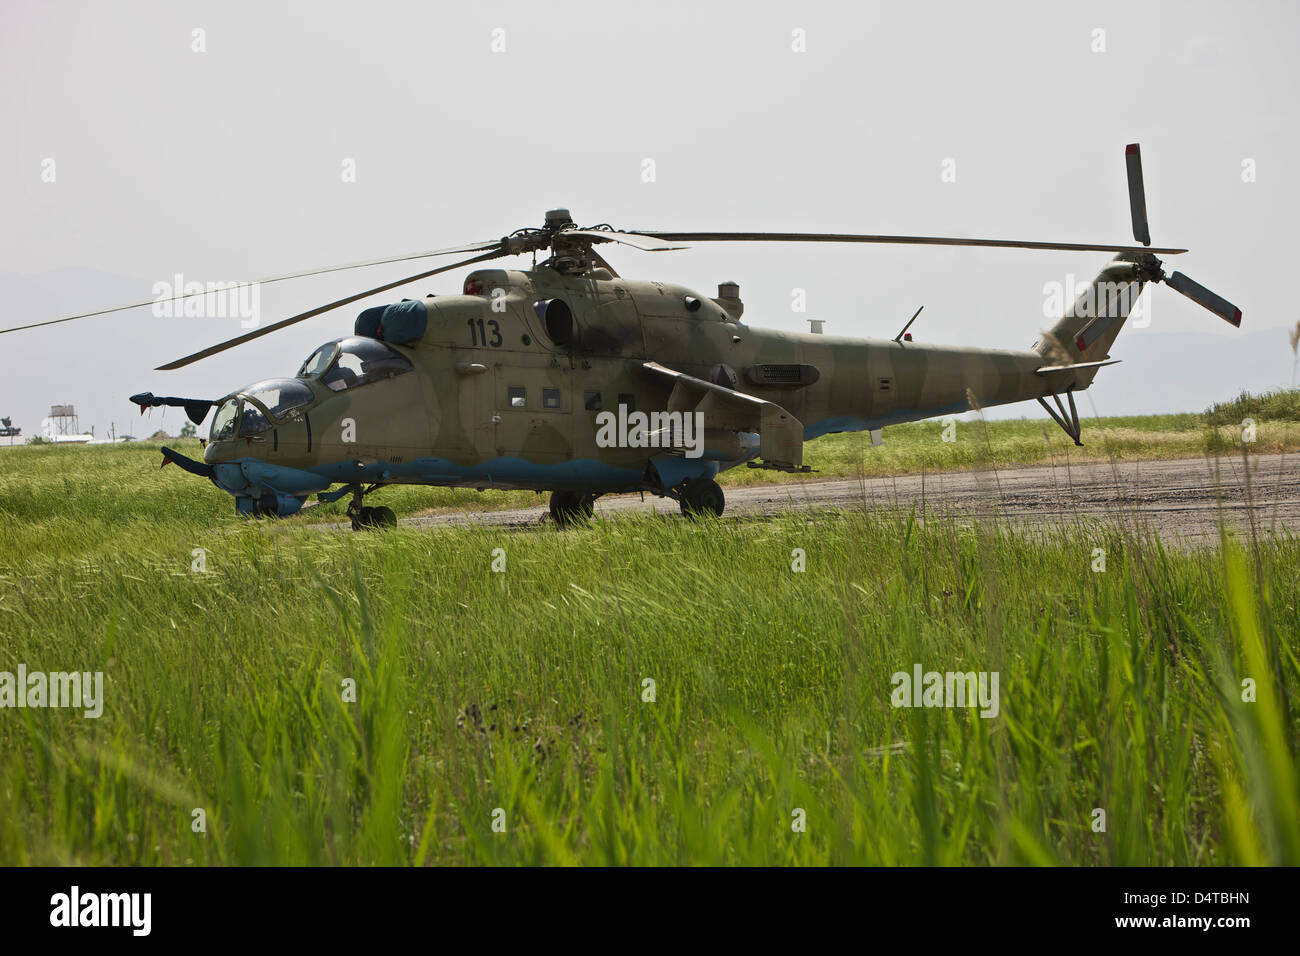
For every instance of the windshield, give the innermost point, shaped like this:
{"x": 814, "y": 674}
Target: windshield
{"x": 318, "y": 361}
{"x": 223, "y": 423}
{"x": 361, "y": 361}
{"x": 279, "y": 396}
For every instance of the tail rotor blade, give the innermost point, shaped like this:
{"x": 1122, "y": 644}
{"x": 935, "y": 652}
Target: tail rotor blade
{"x": 1137, "y": 196}
{"x": 1205, "y": 298}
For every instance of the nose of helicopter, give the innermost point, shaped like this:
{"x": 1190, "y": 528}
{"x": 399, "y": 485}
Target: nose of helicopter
{"x": 216, "y": 452}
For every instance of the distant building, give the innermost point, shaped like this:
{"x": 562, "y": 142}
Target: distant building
{"x": 62, "y": 427}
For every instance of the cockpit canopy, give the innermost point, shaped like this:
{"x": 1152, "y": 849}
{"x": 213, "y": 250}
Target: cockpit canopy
{"x": 262, "y": 405}
{"x": 342, "y": 364}
{"x": 352, "y": 362}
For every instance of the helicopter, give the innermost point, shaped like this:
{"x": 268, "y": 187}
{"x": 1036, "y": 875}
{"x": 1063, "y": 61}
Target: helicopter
{"x": 571, "y": 379}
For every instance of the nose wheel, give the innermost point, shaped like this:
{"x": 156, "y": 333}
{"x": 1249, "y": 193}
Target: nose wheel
{"x": 363, "y": 516}
{"x": 368, "y": 517}
{"x": 571, "y": 507}
{"x": 701, "y": 496}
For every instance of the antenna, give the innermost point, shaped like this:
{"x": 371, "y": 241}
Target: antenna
{"x": 900, "y": 335}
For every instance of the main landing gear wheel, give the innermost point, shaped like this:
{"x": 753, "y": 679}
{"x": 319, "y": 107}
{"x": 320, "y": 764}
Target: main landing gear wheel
{"x": 702, "y": 496}
{"x": 571, "y": 507}
{"x": 379, "y": 517}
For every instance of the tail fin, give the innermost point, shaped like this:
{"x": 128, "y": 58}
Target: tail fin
{"x": 1090, "y": 326}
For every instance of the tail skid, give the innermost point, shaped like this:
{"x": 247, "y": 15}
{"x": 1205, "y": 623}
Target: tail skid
{"x": 1069, "y": 422}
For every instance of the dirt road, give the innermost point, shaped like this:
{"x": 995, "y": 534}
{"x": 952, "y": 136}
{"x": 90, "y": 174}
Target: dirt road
{"x": 1181, "y": 499}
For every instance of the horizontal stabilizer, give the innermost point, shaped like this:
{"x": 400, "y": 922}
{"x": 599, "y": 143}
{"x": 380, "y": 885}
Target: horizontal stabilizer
{"x": 1058, "y": 369}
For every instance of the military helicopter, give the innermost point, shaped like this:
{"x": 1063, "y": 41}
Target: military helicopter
{"x": 569, "y": 378}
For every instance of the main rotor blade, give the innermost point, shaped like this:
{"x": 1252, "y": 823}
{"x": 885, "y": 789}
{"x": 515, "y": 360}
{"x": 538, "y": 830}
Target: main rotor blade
{"x": 636, "y": 240}
{"x": 1137, "y": 194}
{"x": 284, "y": 323}
{"x": 897, "y": 240}
{"x": 473, "y": 247}
{"x": 1205, "y": 298}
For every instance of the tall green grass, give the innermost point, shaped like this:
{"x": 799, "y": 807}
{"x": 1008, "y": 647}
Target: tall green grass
{"x": 520, "y": 696}
{"x": 1279, "y": 404}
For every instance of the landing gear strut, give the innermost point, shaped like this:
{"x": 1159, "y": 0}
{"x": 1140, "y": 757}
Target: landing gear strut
{"x": 571, "y": 507}
{"x": 1069, "y": 422}
{"x": 366, "y": 517}
{"x": 701, "y": 496}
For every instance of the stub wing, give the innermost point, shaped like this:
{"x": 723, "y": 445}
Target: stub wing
{"x": 727, "y": 410}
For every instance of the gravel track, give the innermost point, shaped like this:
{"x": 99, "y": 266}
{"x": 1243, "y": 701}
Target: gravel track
{"x": 1182, "y": 500}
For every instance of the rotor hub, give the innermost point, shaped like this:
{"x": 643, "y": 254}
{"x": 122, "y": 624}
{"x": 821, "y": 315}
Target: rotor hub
{"x": 558, "y": 218}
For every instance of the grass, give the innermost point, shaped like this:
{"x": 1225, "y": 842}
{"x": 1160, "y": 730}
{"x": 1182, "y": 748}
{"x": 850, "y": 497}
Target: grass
{"x": 1279, "y": 404}
{"x": 919, "y": 446}
{"x": 36, "y": 486}
{"x": 521, "y": 697}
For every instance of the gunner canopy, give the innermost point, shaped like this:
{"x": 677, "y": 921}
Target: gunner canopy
{"x": 258, "y": 407}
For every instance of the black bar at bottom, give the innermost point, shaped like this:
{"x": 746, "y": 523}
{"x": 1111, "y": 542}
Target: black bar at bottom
{"x": 334, "y": 906}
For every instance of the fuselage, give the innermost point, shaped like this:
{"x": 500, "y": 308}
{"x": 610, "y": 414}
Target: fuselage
{"x": 501, "y": 387}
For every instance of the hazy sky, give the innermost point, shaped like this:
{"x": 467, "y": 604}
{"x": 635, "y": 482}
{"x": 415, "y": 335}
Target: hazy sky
{"x": 228, "y": 164}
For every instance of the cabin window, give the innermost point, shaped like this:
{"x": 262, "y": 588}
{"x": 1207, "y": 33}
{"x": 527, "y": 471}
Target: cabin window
{"x": 550, "y": 398}
{"x": 628, "y": 399}
{"x": 591, "y": 401}
{"x": 517, "y": 396}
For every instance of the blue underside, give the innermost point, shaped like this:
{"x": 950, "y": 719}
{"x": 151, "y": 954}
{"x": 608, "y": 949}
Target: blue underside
{"x": 250, "y": 479}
